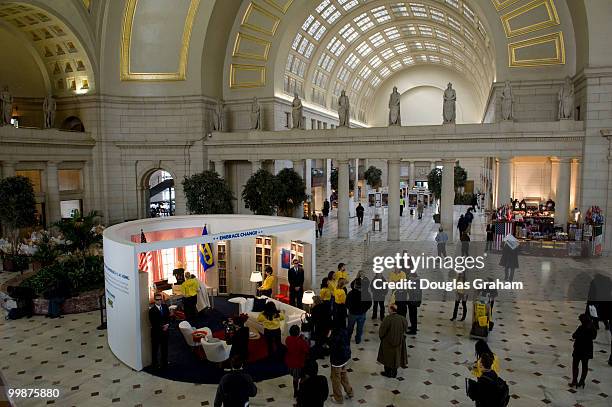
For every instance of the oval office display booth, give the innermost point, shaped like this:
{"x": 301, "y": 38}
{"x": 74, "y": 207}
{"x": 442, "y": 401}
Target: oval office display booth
{"x": 140, "y": 257}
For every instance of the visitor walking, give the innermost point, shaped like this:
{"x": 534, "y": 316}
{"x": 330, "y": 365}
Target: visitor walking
{"x": 509, "y": 258}
{"x": 420, "y": 207}
{"x": 469, "y": 217}
{"x": 441, "y": 239}
{"x": 297, "y": 351}
{"x": 402, "y": 205}
{"x": 379, "y": 292}
{"x": 339, "y": 357}
{"x": 490, "y": 390}
{"x": 392, "y": 352}
{"x": 359, "y": 211}
{"x": 315, "y": 219}
{"x": 461, "y": 224}
{"x": 295, "y": 275}
{"x": 415, "y": 296}
{"x": 490, "y": 231}
{"x": 271, "y": 319}
{"x": 583, "y": 349}
{"x": 460, "y": 296}
{"x": 465, "y": 244}
{"x": 482, "y": 348}
{"x": 235, "y": 388}
{"x": 358, "y": 305}
{"x": 320, "y": 224}
{"x": 313, "y": 389}
{"x": 326, "y": 208}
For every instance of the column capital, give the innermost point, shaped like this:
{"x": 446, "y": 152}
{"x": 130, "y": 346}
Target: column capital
{"x": 506, "y": 159}
{"x": 52, "y": 163}
{"x": 11, "y": 163}
{"x": 449, "y": 161}
{"x": 394, "y": 161}
{"x": 343, "y": 161}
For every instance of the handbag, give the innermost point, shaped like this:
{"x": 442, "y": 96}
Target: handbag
{"x": 593, "y": 311}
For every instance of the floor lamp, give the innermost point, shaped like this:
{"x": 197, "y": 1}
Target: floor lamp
{"x": 256, "y": 278}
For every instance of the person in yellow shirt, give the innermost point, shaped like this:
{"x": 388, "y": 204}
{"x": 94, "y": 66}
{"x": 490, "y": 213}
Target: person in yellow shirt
{"x": 341, "y": 273}
{"x": 396, "y": 275}
{"x": 326, "y": 292}
{"x": 482, "y": 348}
{"x": 340, "y": 311}
{"x": 271, "y": 319}
{"x": 268, "y": 283}
{"x": 331, "y": 280}
{"x": 189, "y": 289}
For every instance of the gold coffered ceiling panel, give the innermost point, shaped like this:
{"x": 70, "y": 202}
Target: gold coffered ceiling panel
{"x": 533, "y": 16}
{"x": 127, "y": 73}
{"x": 280, "y": 5}
{"x": 500, "y": 4}
{"x": 248, "y": 46}
{"x": 259, "y": 19}
{"x": 247, "y": 76}
{"x": 544, "y": 50}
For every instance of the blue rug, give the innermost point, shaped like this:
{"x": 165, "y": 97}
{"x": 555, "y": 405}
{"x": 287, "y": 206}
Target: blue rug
{"x": 184, "y": 366}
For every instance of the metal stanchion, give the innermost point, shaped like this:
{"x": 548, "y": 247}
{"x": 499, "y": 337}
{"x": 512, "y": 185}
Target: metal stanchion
{"x": 102, "y": 300}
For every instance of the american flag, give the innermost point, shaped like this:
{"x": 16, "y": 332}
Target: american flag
{"x": 501, "y": 230}
{"x": 145, "y": 258}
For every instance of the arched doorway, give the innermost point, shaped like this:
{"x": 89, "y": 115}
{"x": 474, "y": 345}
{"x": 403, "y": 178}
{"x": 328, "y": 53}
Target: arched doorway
{"x": 73, "y": 123}
{"x": 159, "y": 195}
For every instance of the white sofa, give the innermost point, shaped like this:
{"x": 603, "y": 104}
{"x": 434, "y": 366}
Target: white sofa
{"x": 293, "y": 315}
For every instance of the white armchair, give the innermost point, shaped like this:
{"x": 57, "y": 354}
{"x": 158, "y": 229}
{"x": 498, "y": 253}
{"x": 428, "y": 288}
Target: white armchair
{"x": 187, "y": 331}
{"x": 216, "y": 351}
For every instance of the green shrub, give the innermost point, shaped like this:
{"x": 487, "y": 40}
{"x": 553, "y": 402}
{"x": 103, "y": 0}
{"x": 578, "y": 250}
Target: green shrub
{"x": 78, "y": 274}
{"x": 463, "y": 199}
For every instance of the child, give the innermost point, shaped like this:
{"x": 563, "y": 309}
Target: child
{"x": 297, "y": 351}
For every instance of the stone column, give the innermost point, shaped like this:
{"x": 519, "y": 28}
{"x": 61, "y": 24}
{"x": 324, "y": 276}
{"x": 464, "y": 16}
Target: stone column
{"x": 8, "y": 169}
{"x": 343, "y": 199}
{"x": 52, "y": 197}
{"x": 504, "y": 188}
{"x": 355, "y": 189}
{"x": 220, "y": 168}
{"x": 563, "y": 192}
{"x": 448, "y": 196}
{"x": 393, "y": 218}
{"x": 180, "y": 202}
{"x": 432, "y": 165}
{"x": 298, "y": 166}
{"x": 554, "y": 178}
{"x": 256, "y": 165}
{"x": 308, "y": 181}
{"x": 412, "y": 181}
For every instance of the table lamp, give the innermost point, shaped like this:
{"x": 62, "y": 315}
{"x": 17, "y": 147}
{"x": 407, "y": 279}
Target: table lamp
{"x": 256, "y": 278}
{"x": 308, "y": 298}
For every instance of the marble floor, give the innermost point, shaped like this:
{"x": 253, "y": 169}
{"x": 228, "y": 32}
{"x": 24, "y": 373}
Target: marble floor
{"x": 531, "y": 336}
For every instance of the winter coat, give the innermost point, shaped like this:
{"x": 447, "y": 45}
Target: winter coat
{"x": 392, "y": 351}
{"x": 509, "y": 257}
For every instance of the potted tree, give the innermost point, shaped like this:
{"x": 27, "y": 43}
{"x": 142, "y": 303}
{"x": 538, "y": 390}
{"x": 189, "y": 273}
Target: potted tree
{"x": 17, "y": 212}
{"x": 260, "y": 191}
{"x": 373, "y": 177}
{"x": 207, "y": 193}
{"x": 291, "y": 191}
{"x": 333, "y": 180}
{"x": 434, "y": 181}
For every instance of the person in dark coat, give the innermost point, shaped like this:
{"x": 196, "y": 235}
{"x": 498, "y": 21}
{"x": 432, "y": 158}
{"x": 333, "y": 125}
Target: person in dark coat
{"x": 159, "y": 317}
{"x": 358, "y": 305}
{"x": 296, "y": 284}
{"x": 339, "y": 357}
{"x": 462, "y": 224}
{"x": 359, "y": 211}
{"x": 313, "y": 388}
{"x": 392, "y": 352}
{"x": 235, "y": 388}
{"x": 414, "y": 302}
{"x": 240, "y": 340}
{"x": 485, "y": 392}
{"x": 490, "y": 232}
{"x": 583, "y": 349}
{"x": 320, "y": 224}
{"x": 509, "y": 260}
{"x": 379, "y": 294}
{"x": 321, "y": 325}
{"x": 325, "y": 208}
{"x": 465, "y": 244}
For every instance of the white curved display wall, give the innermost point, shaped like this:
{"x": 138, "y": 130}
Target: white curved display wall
{"x": 127, "y": 298}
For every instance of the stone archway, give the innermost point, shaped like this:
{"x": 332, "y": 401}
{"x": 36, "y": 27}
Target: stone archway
{"x": 157, "y": 193}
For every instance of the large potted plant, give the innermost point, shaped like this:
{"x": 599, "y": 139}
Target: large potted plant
{"x": 333, "y": 180}
{"x": 373, "y": 177}
{"x": 47, "y": 250}
{"x": 291, "y": 191}
{"x": 207, "y": 193}
{"x": 434, "y": 182}
{"x": 17, "y": 212}
{"x": 260, "y": 191}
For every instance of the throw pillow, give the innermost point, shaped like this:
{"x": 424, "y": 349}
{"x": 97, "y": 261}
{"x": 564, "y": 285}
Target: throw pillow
{"x": 259, "y": 304}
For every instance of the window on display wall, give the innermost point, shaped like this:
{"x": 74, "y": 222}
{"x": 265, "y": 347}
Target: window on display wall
{"x": 191, "y": 256}
{"x": 167, "y": 262}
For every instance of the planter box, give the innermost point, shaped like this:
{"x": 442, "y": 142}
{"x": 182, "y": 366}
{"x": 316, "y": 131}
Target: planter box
{"x": 86, "y": 302}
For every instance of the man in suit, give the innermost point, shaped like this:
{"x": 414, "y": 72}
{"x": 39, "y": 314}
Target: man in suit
{"x": 296, "y": 284}
{"x": 159, "y": 317}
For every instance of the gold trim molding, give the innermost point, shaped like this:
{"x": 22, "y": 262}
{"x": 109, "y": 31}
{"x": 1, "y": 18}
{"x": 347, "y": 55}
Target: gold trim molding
{"x": 553, "y": 18}
{"x": 555, "y": 38}
{"x": 500, "y": 4}
{"x": 126, "y": 40}
{"x": 234, "y": 68}
{"x": 259, "y": 41}
{"x": 253, "y": 7}
{"x": 279, "y": 7}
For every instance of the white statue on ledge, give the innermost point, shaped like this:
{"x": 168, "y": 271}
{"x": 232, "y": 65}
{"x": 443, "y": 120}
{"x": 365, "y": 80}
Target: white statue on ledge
{"x": 49, "y": 106}
{"x": 395, "y": 118}
{"x": 507, "y": 102}
{"x": 343, "y": 110}
{"x": 218, "y": 116}
{"x": 6, "y": 107}
{"x": 449, "y": 111}
{"x": 566, "y": 100}
{"x": 297, "y": 111}
{"x": 255, "y": 115}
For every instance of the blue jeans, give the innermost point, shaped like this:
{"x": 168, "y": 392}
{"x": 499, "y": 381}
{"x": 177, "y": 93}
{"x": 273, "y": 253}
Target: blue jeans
{"x": 360, "y": 319}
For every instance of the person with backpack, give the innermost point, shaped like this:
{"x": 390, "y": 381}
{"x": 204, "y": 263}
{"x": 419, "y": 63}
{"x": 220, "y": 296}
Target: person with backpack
{"x": 482, "y": 348}
{"x": 490, "y": 390}
{"x": 358, "y": 304}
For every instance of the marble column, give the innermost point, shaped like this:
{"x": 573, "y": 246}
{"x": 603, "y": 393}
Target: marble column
{"x": 554, "y": 177}
{"x": 328, "y": 168}
{"x": 447, "y": 199}
{"x": 343, "y": 199}
{"x": 563, "y": 192}
{"x": 256, "y": 165}
{"x": 8, "y": 169}
{"x": 220, "y": 168}
{"x": 355, "y": 189}
{"x": 393, "y": 218}
{"x": 298, "y": 166}
{"x": 412, "y": 181}
{"x": 52, "y": 196}
{"x": 308, "y": 181}
{"x": 504, "y": 188}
